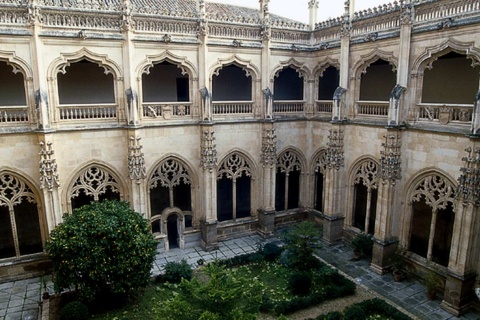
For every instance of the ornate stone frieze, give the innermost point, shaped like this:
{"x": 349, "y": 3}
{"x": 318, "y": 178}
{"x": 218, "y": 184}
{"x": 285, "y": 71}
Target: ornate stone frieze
{"x": 208, "y": 150}
{"x": 468, "y": 189}
{"x": 334, "y": 155}
{"x": 94, "y": 181}
{"x": 48, "y": 167}
{"x": 136, "y": 160}
{"x": 269, "y": 148}
{"x": 390, "y": 159}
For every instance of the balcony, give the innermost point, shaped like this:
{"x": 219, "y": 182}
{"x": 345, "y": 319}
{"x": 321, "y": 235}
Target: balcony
{"x": 87, "y": 112}
{"x": 323, "y": 107}
{"x": 372, "y": 109}
{"x": 445, "y": 113}
{"x": 166, "y": 110}
{"x": 289, "y": 107}
{"x": 14, "y": 115}
{"x": 232, "y": 108}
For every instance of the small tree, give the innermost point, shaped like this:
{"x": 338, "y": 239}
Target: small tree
{"x": 102, "y": 247}
{"x": 301, "y": 242}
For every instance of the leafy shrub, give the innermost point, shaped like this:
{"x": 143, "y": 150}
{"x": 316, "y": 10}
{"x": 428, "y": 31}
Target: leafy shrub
{"x": 175, "y": 271}
{"x": 103, "y": 247}
{"x": 334, "y": 315}
{"x": 300, "y": 283}
{"x": 242, "y": 259}
{"x": 363, "y": 244}
{"x": 226, "y": 295}
{"x": 378, "y": 306}
{"x": 355, "y": 312}
{"x": 74, "y": 310}
{"x": 301, "y": 241}
{"x": 271, "y": 251}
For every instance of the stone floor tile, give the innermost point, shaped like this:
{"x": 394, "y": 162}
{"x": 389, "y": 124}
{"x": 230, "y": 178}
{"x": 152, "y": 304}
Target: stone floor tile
{"x": 13, "y": 316}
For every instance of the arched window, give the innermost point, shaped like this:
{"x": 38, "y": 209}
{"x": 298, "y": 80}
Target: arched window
{"x": 170, "y": 187}
{"x": 12, "y": 86}
{"x": 85, "y": 82}
{"x": 328, "y": 82}
{"x": 165, "y": 82}
{"x": 365, "y": 196}
{"x": 94, "y": 184}
{"x": 231, "y": 83}
{"x": 319, "y": 179}
{"x": 377, "y": 82}
{"x": 433, "y": 216}
{"x": 288, "y": 85}
{"x": 20, "y": 232}
{"x": 287, "y": 188}
{"x": 234, "y": 187}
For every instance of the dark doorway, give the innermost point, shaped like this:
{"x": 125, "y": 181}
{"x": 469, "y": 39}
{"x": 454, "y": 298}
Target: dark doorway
{"x": 172, "y": 231}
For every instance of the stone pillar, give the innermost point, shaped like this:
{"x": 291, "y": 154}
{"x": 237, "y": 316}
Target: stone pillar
{"x": 266, "y": 215}
{"x": 49, "y": 183}
{"x": 267, "y": 103}
{"x": 390, "y": 172}
{"x": 341, "y": 101}
{"x": 137, "y": 174}
{"x": 464, "y": 254}
{"x": 209, "y": 191}
{"x": 334, "y": 187}
{"x": 313, "y": 13}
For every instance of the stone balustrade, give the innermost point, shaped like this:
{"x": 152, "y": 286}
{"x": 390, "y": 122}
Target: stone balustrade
{"x": 166, "y": 110}
{"x": 372, "y": 108}
{"x": 323, "y": 107}
{"x": 444, "y": 113}
{"x": 232, "y": 107}
{"x": 14, "y": 114}
{"x": 87, "y": 112}
{"x": 290, "y": 107}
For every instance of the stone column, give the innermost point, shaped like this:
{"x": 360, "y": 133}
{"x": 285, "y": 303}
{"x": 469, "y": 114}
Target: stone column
{"x": 266, "y": 215}
{"x": 341, "y": 99}
{"x": 390, "y": 172}
{"x": 334, "y": 187}
{"x": 267, "y": 103}
{"x": 312, "y": 13}
{"x": 50, "y": 182}
{"x": 464, "y": 255}
{"x": 137, "y": 174}
{"x": 208, "y": 223}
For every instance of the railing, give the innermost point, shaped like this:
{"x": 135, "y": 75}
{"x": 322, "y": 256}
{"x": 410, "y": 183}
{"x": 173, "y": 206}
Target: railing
{"x": 445, "y": 113}
{"x": 230, "y": 108}
{"x": 87, "y": 112}
{"x": 15, "y": 114}
{"x": 372, "y": 108}
{"x": 288, "y": 106}
{"x": 443, "y": 9}
{"x": 323, "y": 107}
{"x": 166, "y": 110}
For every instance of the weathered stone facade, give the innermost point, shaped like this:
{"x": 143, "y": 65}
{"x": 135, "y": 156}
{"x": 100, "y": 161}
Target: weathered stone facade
{"x": 214, "y": 125}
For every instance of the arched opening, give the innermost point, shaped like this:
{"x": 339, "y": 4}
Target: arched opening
{"x": 287, "y": 184}
{"x": 452, "y": 80}
{"x": 328, "y": 82}
{"x": 85, "y": 82}
{"x": 377, "y": 82}
{"x": 165, "y": 82}
{"x": 365, "y": 196}
{"x": 231, "y": 84}
{"x": 288, "y": 85}
{"x": 12, "y": 86}
{"x": 172, "y": 231}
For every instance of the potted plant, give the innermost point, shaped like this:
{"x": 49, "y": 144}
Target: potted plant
{"x": 398, "y": 263}
{"x": 433, "y": 283}
{"x": 362, "y": 245}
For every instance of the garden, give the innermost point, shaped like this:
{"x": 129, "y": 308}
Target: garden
{"x": 107, "y": 278}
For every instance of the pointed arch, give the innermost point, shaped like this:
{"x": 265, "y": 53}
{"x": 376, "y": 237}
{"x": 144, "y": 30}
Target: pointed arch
{"x": 182, "y": 63}
{"x": 300, "y": 67}
{"x": 366, "y": 60}
{"x": 324, "y": 65}
{"x": 95, "y": 181}
{"x": 290, "y": 165}
{"x": 291, "y": 158}
{"x": 246, "y": 65}
{"x": 431, "y": 54}
{"x": 317, "y": 170}
{"x": 22, "y": 225}
{"x": 319, "y": 161}
{"x": 181, "y": 164}
{"x": 59, "y": 65}
{"x": 17, "y": 63}
{"x": 235, "y": 164}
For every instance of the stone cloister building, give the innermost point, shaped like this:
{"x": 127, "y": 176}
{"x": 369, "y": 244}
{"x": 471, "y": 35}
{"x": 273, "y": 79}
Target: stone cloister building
{"x": 216, "y": 121}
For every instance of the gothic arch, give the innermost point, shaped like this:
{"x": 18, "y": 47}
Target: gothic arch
{"x": 65, "y": 59}
{"x": 291, "y": 157}
{"x": 181, "y": 62}
{"x": 364, "y": 166}
{"x": 318, "y": 163}
{"x": 246, "y": 65}
{"x": 181, "y": 161}
{"x": 242, "y": 161}
{"x": 300, "y": 67}
{"x": 431, "y": 54}
{"x": 324, "y": 64}
{"x": 17, "y": 63}
{"x": 366, "y": 60}
{"x": 94, "y": 178}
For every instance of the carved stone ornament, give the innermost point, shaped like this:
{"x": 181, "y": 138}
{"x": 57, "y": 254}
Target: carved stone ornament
{"x": 367, "y": 174}
{"x": 269, "y": 148}
{"x": 234, "y": 167}
{"x": 289, "y": 162}
{"x": 468, "y": 189}
{"x": 437, "y": 191}
{"x": 390, "y": 169}
{"x": 407, "y": 13}
{"x": 321, "y": 162}
{"x": 48, "y": 167}
{"x": 346, "y": 27}
{"x": 14, "y": 191}
{"x": 136, "y": 160}
{"x": 94, "y": 181}
{"x": 208, "y": 150}
{"x": 334, "y": 155}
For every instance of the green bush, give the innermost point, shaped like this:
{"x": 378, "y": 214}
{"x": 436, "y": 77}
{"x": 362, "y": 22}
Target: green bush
{"x": 103, "y": 247}
{"x": 334, "y": 315}
{"x": 300, "y": 283}
{"x": 176, "y": 271}
{"x": 271, "y": 251}
{"x": 354, "y": 312}
{"x": 301, "y": 242}
{"x": 253, "y": 257}
{"x": 74, "y": 310}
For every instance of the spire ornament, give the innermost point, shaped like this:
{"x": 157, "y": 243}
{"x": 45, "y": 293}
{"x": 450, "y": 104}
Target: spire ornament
{"x": 468, "y": 190}
{"x": 48, "y": 167}
{"x": 136, "y": 160}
